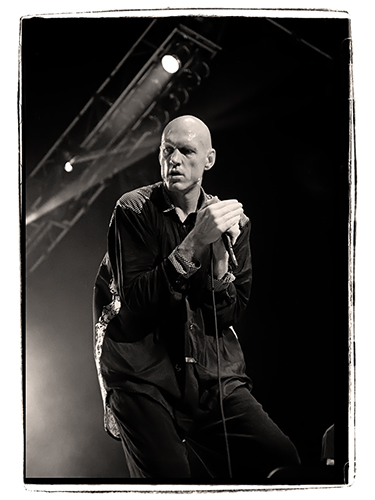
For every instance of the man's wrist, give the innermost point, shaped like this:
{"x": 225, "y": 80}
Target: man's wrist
{"x": 191, "y": 249}
{"x": 221, "y": 284}
{"x": 183, "y": 264}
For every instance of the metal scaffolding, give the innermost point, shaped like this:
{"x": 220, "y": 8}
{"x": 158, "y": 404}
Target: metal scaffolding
{"x": 118, "y": 126}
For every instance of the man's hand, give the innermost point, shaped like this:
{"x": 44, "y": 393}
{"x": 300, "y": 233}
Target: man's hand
{"x": 234, "y": 232}
{"x": 214, "y": 219}
{"x": 218, "y": 217}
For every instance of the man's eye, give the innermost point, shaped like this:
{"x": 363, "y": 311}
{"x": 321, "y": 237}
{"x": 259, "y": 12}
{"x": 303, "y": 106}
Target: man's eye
{"x": 186, "y": 151}
{"x": 167, "y": 151}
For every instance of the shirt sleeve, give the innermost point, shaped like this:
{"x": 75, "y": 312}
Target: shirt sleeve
{"x": 184, "y": 267}
{"x": 220, "y": 284}
{"x": 151, "y": 286}
{"x": 148, "y": 284}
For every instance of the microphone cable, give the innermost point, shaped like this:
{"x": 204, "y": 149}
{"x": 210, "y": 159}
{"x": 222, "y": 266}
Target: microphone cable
{"x": 219, "y": 367}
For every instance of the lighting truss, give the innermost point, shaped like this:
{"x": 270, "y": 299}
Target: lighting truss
{"x": 118, "y": 126}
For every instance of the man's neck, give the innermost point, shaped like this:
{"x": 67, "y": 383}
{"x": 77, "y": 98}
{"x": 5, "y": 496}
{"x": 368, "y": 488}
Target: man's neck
{"x": 186, "y": 202}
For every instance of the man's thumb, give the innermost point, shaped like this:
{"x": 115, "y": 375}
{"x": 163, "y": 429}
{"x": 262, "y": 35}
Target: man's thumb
{"x": 211, "y": 201}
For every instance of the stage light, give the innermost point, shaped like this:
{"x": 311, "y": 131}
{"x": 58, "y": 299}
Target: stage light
{"x": 68, "y": 167}
{"x": 179, "y": 56}
{"x": 170, "y": 63}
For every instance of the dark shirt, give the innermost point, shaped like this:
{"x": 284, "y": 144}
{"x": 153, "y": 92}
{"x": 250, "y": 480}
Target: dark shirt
{"x": 155, "y": 316}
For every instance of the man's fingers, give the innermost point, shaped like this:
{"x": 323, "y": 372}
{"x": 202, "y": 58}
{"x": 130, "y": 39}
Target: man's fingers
{"x": 216, "y": 218}
{"x": 222, "y": 208}
{"x": 230, "y": 217}
{"x": 227, "y": 204}
{"x": 210, "y": 201}
{"x": 229, "y": 222}
{"x": 223, "y": 214}
{"x": 219, "y": 203}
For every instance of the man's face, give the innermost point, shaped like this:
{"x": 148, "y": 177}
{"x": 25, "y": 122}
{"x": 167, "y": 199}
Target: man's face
{"x": 185, "y": 153}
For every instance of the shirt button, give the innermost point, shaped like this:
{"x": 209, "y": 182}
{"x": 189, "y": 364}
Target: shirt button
{"x": 177, "y": 367}
{"x": 191, "y": 327}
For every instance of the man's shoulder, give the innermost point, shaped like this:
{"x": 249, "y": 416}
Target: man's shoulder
{"x": 136, "y": 199}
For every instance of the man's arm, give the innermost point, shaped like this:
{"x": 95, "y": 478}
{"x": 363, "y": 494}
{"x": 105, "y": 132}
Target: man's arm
{"x": 149, "y": 285}
{"x": 216, "y": 218}
{"x": 232, "y": 286}
{"x": 231, "y": 293}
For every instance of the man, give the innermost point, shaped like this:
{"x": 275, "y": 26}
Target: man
{"x": 167, "y": 295}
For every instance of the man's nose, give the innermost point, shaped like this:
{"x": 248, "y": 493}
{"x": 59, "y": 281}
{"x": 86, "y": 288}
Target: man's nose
{"x": 175, "y": 157}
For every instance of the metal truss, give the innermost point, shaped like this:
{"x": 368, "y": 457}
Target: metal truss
{"x": 118, "y": 126}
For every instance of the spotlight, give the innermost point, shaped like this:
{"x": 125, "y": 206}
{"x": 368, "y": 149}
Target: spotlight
{"x": 177, "y": 58}
{"x": 170, "y": 63}
{"x": 68, "y": 167}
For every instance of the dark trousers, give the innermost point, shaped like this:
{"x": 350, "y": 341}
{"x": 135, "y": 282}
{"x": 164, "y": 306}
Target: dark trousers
{"x": 159, "y": 445}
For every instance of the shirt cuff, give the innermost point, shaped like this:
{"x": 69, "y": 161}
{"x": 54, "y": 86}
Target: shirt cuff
{"x": 220, "y": 284}
{"x": 183, "y": 266}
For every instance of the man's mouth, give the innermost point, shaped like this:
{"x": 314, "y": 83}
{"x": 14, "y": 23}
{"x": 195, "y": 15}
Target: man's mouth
{"x": 175, "y": 173}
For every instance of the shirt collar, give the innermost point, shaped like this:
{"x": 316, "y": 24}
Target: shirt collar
{"x": 203, "y": 197}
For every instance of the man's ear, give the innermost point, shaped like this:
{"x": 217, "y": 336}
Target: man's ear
{"x": 211, "y": 157}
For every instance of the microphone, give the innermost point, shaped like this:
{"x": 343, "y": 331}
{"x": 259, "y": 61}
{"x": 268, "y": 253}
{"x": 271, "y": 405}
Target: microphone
{"x": 229, "y": 248}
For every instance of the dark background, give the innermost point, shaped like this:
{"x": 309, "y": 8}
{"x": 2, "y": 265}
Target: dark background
{"x": 278, "y": 112}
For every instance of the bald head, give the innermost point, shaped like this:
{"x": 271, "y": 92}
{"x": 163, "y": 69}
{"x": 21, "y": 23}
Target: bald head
{"x": 185, "y": 154}
{"x": 192, "y": 126}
